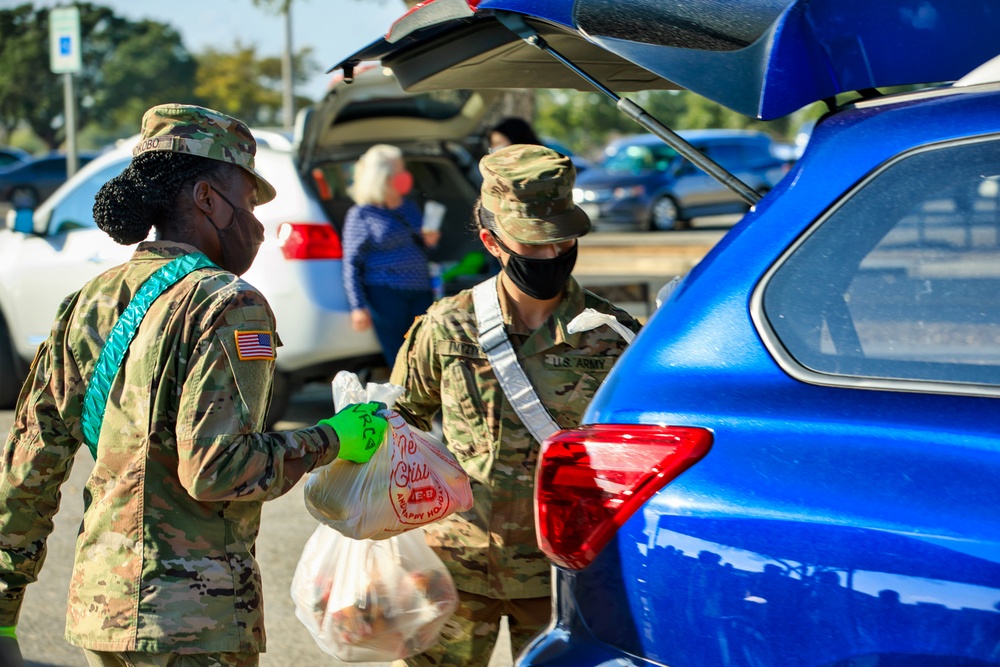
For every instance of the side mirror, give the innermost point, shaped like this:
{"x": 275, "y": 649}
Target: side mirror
{"x": 21, "y": 220}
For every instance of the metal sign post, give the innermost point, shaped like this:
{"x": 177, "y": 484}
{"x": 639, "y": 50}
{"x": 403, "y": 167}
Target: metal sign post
{"x": 64, "y": 58}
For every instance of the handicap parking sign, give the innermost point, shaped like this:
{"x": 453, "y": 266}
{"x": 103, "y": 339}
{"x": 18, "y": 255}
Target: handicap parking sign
{"x": 64, "y": 39}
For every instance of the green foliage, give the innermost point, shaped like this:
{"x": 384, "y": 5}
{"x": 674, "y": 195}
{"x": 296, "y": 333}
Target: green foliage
{"x": 246, "y": 86}
{"x": 127, "y": 67}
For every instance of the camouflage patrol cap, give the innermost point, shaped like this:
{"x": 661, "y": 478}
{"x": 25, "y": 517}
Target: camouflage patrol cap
{"x": 186, "y": 128}
{"x": 529, "y": 191}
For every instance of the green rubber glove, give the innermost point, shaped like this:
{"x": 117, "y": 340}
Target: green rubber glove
{"x": 10, "y": 652}
{"x": 360, "y": 430}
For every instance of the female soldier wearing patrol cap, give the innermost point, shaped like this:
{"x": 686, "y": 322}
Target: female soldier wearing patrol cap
{"x": 163, "y": 367}
{"x": 458, "y": 359}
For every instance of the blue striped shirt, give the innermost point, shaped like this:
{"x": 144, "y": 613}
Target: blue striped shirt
{"x": 380, "y": 250}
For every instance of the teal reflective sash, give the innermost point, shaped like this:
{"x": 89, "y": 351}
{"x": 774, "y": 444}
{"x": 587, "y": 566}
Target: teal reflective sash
{"x": 118, "y": 341}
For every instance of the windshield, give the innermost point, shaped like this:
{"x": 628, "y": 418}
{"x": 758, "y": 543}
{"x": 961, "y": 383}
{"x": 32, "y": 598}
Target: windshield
{"x": 633, "y": 159}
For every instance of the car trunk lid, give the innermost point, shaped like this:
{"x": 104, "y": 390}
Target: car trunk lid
{"x": 762, "y": 58}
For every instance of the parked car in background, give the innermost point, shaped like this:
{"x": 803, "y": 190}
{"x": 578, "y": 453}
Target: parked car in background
{"x": 11, "y": 155}
{"x": 27, "y": 184}
{"x": 796, "y": 462}
{"x": 642, "y": 183}
{"x": 46, "y": 256}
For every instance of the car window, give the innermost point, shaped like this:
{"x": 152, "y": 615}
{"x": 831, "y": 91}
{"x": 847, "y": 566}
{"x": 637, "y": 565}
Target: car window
{"x": 76, "y": 210}
{"x": 760, "y": 154}
{"x": 50, "y": 167}
{"x": 729, "y": 156}
{"x": 636, "y": 158}
{"x": 902, "y": 281}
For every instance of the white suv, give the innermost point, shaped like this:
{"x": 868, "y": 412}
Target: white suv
{"x": 46, "y": 256}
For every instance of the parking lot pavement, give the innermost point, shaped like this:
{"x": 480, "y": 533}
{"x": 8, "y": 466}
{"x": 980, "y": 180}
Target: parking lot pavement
{"x": 286, "y": 525}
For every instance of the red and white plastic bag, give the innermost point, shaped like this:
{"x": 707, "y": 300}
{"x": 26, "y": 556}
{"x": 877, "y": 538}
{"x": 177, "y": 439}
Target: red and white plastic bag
{"x": 412, "y": 479}
{"x": 367, "y": 600}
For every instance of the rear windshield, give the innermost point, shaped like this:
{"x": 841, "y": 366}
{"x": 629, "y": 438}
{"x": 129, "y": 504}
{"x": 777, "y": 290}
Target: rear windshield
{"x": 710, "y": 25}
{"x": 434, "y": 105}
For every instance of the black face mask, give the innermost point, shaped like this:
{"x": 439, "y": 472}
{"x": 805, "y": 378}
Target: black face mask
{"x": 541, "y": 279}
{"x": 241, "y": 240}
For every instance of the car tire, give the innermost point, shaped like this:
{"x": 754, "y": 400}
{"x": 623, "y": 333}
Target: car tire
{"x": 24, "y": 196}
{"x": 281, "y": 394}
{"x": 665, "y": 215}
{"x": 10, "y": 377}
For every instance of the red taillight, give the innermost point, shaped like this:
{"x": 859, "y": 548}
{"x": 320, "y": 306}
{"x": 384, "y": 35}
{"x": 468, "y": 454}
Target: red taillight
{"x": 309, "y": 240}
{"x": 590, "y": 480}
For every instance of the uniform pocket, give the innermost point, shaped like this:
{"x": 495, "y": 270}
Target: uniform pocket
{"x": 470, "y": 409}
{"x": 252, "y": 370}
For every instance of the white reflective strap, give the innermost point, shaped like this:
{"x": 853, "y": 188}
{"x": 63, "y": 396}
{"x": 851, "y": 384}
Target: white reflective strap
{"x": 494, "y": 342}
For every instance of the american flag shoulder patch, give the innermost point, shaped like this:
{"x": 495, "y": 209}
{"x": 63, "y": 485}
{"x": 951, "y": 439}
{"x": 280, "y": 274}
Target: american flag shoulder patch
{"x": 253, "y": 345}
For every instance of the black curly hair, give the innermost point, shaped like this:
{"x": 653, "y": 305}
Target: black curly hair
{"x": 145, "y": 194}
{"x": 517, "y": 130}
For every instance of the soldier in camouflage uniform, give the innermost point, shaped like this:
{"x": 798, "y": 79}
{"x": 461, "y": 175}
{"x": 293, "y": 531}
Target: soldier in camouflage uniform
{"x": 164, "y": 570}
{"x": 528, "y": 221}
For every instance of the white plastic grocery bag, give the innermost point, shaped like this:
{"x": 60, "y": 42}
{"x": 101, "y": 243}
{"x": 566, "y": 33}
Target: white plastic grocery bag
{"x": 412, "y": 479}
{"x": 591, "y": 319}
{"x": 367, "y": 600}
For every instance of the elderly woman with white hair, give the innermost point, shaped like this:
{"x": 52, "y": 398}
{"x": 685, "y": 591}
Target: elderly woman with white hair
{"x": 385, "y": 261}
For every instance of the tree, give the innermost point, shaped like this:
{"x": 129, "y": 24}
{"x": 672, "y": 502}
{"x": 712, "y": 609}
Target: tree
{"x": 288, "y": 76}
{"x": 247, "y": 86}
{"x": 127, "y": 67}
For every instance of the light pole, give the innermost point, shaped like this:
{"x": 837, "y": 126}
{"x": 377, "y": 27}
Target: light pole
{"x": 287, "y": 75}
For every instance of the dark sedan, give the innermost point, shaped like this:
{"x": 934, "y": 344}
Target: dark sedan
{"x": 644, "y": 184}
{"x": 28, "y": 184}
{"x": 11, "y": 156}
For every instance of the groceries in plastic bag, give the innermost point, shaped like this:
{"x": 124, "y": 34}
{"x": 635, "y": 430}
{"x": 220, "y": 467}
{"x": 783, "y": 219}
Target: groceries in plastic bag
{"x": 412, "y": 479}
{"x": 367, "y": 600}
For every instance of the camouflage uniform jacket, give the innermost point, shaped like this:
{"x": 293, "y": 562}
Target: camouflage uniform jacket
{"x": 491, "y": 550}
{"x": 165, "y": 555}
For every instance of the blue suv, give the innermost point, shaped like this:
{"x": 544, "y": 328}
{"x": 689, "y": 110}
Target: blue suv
{"x": 797, "y": 461}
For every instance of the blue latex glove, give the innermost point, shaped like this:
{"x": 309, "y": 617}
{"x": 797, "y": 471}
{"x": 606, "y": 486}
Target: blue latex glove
{"x": 360, "y": 430}
{"x": 10, "y": 652}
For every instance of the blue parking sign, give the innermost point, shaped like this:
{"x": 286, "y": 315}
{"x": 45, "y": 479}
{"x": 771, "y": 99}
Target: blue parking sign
{"x": 64, "y": 40}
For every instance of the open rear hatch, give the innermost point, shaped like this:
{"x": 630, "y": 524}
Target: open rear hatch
{"x": 762, "y": 58}
{"x": 375, "y": 109}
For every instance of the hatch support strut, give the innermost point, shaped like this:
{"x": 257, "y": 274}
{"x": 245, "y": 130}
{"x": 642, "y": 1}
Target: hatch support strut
{"x": 519, "y": 27}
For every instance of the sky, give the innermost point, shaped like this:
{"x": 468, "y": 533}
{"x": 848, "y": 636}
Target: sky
{"x": 333, "y": 28}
